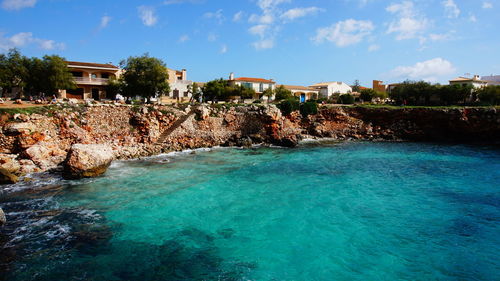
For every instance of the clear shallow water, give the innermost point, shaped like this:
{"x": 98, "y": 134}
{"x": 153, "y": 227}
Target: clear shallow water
{"x": 352, "y": 211}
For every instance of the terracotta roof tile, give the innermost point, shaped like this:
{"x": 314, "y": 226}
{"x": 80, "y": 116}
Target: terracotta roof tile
{"x": 90, "y": 64}
{"x": 258, "y": 80}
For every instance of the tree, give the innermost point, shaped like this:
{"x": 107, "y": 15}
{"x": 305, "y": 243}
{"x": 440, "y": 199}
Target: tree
{"x": 58, "y": 74}
{"x": 13, "y": 71}
{"x": 367, "y": 95}
{"x": 48, "y": 75}
{"x": 489, "y": 95}
{"x": 346, "y": 99}
{"x": 195, "y": 91}
{"x": 144, "y": 76}
{"x": 356, "y": 87}
{"x": 281, "y": 93}
{"x": 269, "y": 93}
{"x": 215, "y": 90}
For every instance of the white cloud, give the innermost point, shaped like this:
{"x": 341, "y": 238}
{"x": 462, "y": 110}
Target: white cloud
{"x": 430, "y": 70}
{"x": 296, "y": 13}
{"x": 223, "y": 49}
{"x": 344, "y": 33}
{"x": 270, "y": 4}
{"x": 171, "y": 2}
{"x": 259, "y": 29}
{"x": 147, "y": 15}
{"x": 104, "y": 21}
{"x": 217, "y": 15}
{"x": 184, "y": 38}
{"x": 264, "y": 44}
{"x": 472, "y": 18}
{"x": 487, "y": 5}
{"x": 263, "y": 19}
{"x": 441, "y": 36}
{"x": 238, "y": 16}
{"x": 18, "y": 4}
{"x": 409, "y": 24}
{"x": 24, "y": 39}
{"x": 373, "y": 48}
{"x": 451, "y": 9}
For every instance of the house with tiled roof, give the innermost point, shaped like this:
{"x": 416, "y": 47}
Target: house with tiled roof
{"x": 302, "y": 92}
{"x": 327, "y": 89}
{"x": 91, "y": 80}
{"x": 179, "y": 84}
{"x": 475, "y": 82}
{"x": 259, "y": 85}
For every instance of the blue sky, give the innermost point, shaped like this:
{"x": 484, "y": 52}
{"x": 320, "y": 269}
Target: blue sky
{"x": 298, "y": 42}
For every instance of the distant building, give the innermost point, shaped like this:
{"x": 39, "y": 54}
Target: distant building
{"x": 390, "y": 87}
{"x": 492, "y": 80}
{"x": 379, "y": 86}
{"x": 179, "y": 84}
{"x": 91, "y": 80}
{"x": 475, "y": 82}
{"x": 303, "y": 93}
{"x": 259, "y": 85}
{"x": 327, "y": 89}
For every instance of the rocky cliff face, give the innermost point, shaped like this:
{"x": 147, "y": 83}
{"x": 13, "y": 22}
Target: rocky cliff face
{"x": 34, "y": 143}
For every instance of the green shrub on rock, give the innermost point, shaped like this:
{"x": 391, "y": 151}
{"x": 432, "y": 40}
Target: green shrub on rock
{"x": 288, "y": 106}
{"x": 308, "y": 108}
{"x": 346, "y": 99}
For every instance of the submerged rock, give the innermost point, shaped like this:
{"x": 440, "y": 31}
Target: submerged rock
{"x": 7, "y": 177}
{"x": 3, "y": 220}
{"x": 87, "y": 161}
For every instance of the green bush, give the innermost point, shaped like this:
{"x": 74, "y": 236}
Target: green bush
{"x": 489, "y": 95}
{"x": 346, "y": 99}
{"x": 309, "y": 108}
{"x": 288, "y": 106}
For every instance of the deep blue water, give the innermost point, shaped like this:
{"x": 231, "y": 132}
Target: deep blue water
{"x": 348, "y": 211}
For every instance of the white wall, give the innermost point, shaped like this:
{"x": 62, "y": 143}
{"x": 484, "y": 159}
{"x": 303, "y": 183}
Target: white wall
{"x": 256, "y": 86}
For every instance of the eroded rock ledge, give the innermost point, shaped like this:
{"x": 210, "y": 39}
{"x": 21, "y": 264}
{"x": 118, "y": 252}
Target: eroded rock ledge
{"x": 84, "y": 139}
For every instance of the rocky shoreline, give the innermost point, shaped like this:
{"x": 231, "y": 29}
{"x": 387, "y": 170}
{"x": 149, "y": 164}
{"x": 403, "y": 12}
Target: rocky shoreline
{"x": 82, "y": 140}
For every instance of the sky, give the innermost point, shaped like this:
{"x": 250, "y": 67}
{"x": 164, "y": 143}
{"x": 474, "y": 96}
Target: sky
{"x": 295, "y": 42}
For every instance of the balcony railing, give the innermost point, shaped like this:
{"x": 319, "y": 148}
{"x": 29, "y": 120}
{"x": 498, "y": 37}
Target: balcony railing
{"x": 91, "y": 81}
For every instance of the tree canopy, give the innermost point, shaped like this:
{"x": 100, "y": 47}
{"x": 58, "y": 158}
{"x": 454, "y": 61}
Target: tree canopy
{"x": 34, "y": 75}
{"x": 281, "y": 93}
{"x": 144, "y": 76}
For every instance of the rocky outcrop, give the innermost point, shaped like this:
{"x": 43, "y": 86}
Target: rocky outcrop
{"x": 7, "y": 177}
{"x": 3, "y": 219}
{"x": 87, "y": 161}
{"x": 34, "y": 143}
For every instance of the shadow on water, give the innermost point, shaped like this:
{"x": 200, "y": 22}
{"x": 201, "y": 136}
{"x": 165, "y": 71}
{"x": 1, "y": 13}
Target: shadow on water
{"x": 42, "y": 241}
{"x": 190, "y": 255}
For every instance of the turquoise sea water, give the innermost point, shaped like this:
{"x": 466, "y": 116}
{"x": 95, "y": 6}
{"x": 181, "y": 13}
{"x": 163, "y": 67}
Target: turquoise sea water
{"x": 349, "y": 211}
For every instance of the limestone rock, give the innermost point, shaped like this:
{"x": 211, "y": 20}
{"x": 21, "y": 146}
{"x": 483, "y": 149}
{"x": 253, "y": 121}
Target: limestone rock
{"x": 7, "y": 178}
{"x": 15, "y": 128}
{"x": 87, "y": 161}
{"x": 46, "y": 155}
{"x": 3, "y": 220}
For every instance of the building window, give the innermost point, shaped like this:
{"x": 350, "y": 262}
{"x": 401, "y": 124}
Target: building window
{"x": 93, "y": 75}
{"x": 247, "y": 85}
{"x": 105, "y": 75}
{"x": 186, "y": 94}
{"x": 261, "y": 87}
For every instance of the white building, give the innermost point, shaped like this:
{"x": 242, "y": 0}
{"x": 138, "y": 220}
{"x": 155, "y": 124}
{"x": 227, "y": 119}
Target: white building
{"x": 179, "y": 85}
{"x": 327, "y": 89}
{"x": 303, "y": 93}
{"x": 259, "y": 85}
{"x": 493, "y": 80}
{"x": 474, "y": 81}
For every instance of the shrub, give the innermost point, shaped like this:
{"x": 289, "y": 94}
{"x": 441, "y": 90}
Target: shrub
{"x": 257, "y": 101}
{"x": 346, "y": 99}
{"x": 308, "y": 108}
{"x": 489, "y": 95}
{"x": 288, "y": 106}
